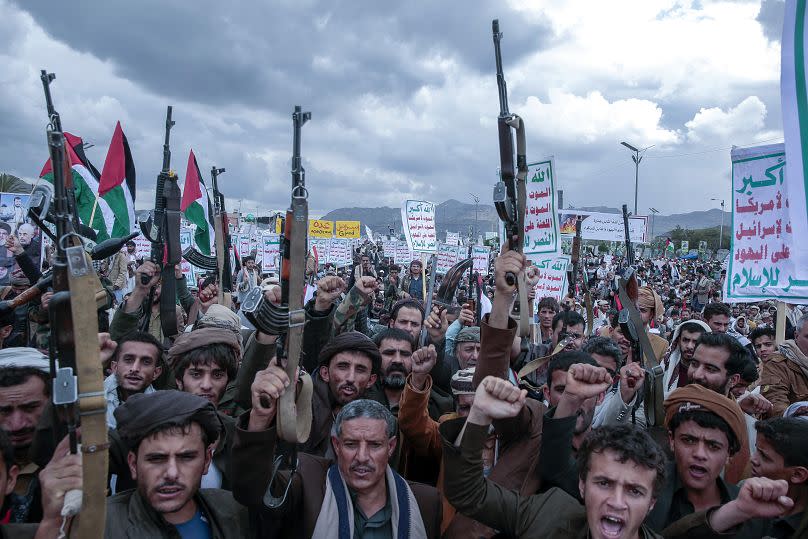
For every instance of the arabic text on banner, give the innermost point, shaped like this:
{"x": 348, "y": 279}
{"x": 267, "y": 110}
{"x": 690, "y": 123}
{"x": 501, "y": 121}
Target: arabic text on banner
{"x": 685, "y": 246}
{"x": 604, "y": 226}
{"x": 340, "y": 252}
{"x": 389, "y": 248}
{"x": 323, "y": 246}
{"x": 403, "y": 254}
{"x": 321, "y": 229}
{"x": 552, "y": 276}
{"x": 447, "y": 257}
{"x": 479, "y": 257}
{"x": 452, "y": 238}
{"x": 418, "y": 217}
{"x": 765, "y": 259}
{"x": 348, "y": 229}
{"x": 541, "y": 223}
{"x": 270, "y": 251}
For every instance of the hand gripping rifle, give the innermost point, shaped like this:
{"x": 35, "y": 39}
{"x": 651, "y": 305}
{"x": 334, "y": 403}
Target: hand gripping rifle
{"x": 510, "y": 192}
{"x": 78, "y": 383}
{"x": 287, "y": 319}
{"x": 162, "y": 229}
{"x": 633, "y": 329}
{"x": 220, "y": 263}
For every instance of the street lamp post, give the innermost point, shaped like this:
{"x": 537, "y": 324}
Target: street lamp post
{"x": 636, "y": 157}
{"x": 654, "y": 211}
{"x": 720, "y": 230}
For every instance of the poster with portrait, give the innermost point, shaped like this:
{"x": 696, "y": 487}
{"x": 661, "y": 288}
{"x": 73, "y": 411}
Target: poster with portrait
{"x": 14, "y": 221}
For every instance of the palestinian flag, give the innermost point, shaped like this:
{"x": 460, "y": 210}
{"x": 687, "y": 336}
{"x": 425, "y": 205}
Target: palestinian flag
{"x": 196, "y": 207}
{"x": 85, "y": 185}
{"x": 117, "y": 184}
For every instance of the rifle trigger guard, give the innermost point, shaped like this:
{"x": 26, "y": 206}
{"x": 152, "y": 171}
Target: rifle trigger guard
{"x": 274, "y": 502}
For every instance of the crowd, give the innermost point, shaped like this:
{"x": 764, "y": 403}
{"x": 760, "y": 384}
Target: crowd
{"x": 420, "y": 423}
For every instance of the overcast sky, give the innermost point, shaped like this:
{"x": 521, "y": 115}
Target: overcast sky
{"x": 402, "y": 94}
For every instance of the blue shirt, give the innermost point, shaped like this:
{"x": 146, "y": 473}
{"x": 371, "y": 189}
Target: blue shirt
{"x": 196, "y": 528}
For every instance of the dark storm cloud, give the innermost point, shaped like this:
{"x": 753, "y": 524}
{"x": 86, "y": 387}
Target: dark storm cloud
{"x": 269, "y": 55}
{"x": 771, "y": 17}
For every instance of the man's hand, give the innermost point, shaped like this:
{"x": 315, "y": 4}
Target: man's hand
{"x": 531, "y": 278}
{"x": 178, "y": 274}
{"x": 467, "y": 315}
{"x": 423, "y": 360}
{"x": 147, "y": 268}
{"x": 507, "y": 262}
{"x": 272, "y": 295}
{"x": 632, "y": 377}
{"x": 328, "y": 290}
{"x": 496, "y": 399}
{"x": 106, "y": 347}
{"x": 208, "y": 296}
{"x": 583, "y": 382}
{"x": 266, "y": 389}
{"x": 44, "y": 299}
{"x": 366, "y": 286}
{"x": 62, "y": 473}
{"x": 755, "y": 404}
{"x": 759, "y": 497}
{"x": 436, "y": 323}
{"x": 13, "y": 244}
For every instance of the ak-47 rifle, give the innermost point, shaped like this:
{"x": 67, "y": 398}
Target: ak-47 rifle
{"x": 578, "y": 273}
{"x": 433, "y": 263}
{"x": 633, "y": 329}
{"x": 78, "y": 391}
{"x": 162, "y": 229}
{"x": 510, "y": 192}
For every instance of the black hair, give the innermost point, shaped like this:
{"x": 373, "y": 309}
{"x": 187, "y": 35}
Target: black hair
{"x": 7, "y": 450}
{"x": 564, "y": 360}
{"x": 394, "y": 334}
{"x": 763, "y": 331}
{"x": 692, "y": 327}
{"x": 140, "y": 336}
{"x": 568, "y": 318}
{"x": 604, "y": 346}
{"x": 409, "y": 303}
{"x": 716, "y": 308}
{"x": 750, "y": 373}
{"x": 223, "y": 355}
{"x": 548, "y": 303}
{"x": 630, "y": 443}
{"x": 705, "y": 420}
{"x": 788, "y": 436}
{"x": 15, "y": 376}
{"x": 738, "y": 355}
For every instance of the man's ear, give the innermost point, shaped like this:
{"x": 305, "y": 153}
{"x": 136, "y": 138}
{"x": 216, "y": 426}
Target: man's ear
{"x": 5, "y": 331}
{"x": 581, "y": 488}
{"x": 208, "y": 457}
{"x": 799, "y": 474}
{"x": 131, "y": 459}
{"x": 670, "y": 440}
{"x": 734, "y": 380}
{"x": 546, "y": 391}
{"x": 372, "y": 379}
{"x": 11, "y": 479}
{"x": 324, "y": 373}
{"x": 391, "y": 446}
{"x": 158, "y": 370}
{"x": 180, "y": 385}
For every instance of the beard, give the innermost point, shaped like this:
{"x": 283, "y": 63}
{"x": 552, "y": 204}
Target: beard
{"x": 395, "y": 377}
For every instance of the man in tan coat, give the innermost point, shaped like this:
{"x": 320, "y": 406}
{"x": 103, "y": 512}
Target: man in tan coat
{"x": 785, "y": 374}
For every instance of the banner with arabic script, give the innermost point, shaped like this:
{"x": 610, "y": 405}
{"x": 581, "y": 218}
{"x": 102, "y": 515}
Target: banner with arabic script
{"x": 418, "y": 217}
{"x": 764, "y": 261}
{"x": 552, "y": 276}
{"x": 604, "y": 226}
{"x": 541, "y": 222}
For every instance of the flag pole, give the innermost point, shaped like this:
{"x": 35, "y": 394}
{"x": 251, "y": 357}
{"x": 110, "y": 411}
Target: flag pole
{"x": 92, "y": 214}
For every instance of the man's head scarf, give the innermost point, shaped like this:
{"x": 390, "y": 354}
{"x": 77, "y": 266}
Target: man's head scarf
{"x": 648, "y": 298}
{"x": 202, "y": 337}
{"x": 461, "y": 382}
{"x": 468, "y": 334}
{"x": 23, "y": 356}
{"x": 695, "y": 397}
{"x": 351, "y": 341}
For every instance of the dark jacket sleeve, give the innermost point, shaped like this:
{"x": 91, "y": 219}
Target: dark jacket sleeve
{"x": 184, "y": 296}
{"x": 495, "y": 351}
{"x": 317, "y": 331}
{"x": 252, "y": 458}
{"x": 442, "y": 371}
{"x": 123, "y": 322}
{"x": 28, "y": 267}
{"x": 256, "y": 358}
{"x": 557, "y": 468}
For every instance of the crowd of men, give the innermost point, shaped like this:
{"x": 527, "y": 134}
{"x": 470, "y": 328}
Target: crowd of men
{"x": 420, "y": 425}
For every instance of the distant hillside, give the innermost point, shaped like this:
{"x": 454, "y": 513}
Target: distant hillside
{"x": 456, "y": 216}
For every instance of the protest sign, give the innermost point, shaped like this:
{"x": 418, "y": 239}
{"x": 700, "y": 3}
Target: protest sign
{"x": 339, "y": 252}
{"x": 389, "y": 248}
{"x": 541, "y": 223}
{"x": 452, "y": 238}
{"x": 552, "y": 274}
{"x": 447, "y": 257}
{"x": 348, "y": 229}
{"x": 418, "y": 217}
{"x": 403, "y": 254}
{"x": 321, "y": 229}
{"x": 479, "y": 257}
{"x": 270, "y": 250}
{"x": 685, "y": 246}
{"x": 323, "y": 247}
{"x": 765, "y": 260}
{"x": 604, "y": 226}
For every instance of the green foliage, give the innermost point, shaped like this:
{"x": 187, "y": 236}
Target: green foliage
{"x": 710, "y": 235}
{"x": 12, "y": 184}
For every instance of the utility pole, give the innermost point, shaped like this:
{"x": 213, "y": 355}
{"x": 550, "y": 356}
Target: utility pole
{"x": 654, "y": 211}
{"x": 636, "y": 157}
{"x": 720, "y": 230}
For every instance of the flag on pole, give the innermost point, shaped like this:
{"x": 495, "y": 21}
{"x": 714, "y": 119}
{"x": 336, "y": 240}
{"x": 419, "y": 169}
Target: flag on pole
{"x": 196, "y": 207}
{"x": 117, "y": 183}
{"x": 85, "y": 185}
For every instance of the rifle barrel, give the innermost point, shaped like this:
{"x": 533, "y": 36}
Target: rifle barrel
{"x": 501, "y": 85}
{"x": 166, "y": 144}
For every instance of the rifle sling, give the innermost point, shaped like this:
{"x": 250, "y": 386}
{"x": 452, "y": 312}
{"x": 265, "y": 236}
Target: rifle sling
{"x": 537, "y": 363}
{"x": 521, "y": 201}
{"x": 294, "y": 409}
{"x": 92, "y": 404}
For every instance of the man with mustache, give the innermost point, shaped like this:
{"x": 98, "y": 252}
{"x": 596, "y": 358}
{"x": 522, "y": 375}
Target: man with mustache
{"x": 683, "y": 345}
{"x": 170, "y": 436}
{"x": 25, "y": 389}
{"x": 137, "y": 362}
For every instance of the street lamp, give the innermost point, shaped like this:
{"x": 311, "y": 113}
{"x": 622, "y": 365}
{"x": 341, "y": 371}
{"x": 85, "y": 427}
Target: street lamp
{"x": 476, "y": 202}
{"x": 636, "y": 157}
{"x": 654, "y": 211}
{"x": 721, "y": 230}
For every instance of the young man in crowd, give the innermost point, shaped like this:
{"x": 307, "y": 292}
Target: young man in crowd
{"x": 546, "y": 310}
{"x": 683, "y": 345}
{"x": 717, "y": 316}
{"x": 763, "y": 340}
{"x": 412, "y": 284}
{"x": 138, "y": 361}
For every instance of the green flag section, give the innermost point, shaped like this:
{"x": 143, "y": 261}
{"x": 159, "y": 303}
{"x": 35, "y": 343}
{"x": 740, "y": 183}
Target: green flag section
{"x": 196, "y": 207}
{"x": 85, "y": 186}
{"x": 117, "y": 184}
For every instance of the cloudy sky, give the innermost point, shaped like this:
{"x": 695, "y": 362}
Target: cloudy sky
{"x": 403, "y": 94}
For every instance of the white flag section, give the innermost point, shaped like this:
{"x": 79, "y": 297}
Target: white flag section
{"x": 418, "y": 217}
{"x": 270, "y": 252}
{"x": 479, "y": 257}
{"x": 453, "y": 238}
{"x": 765, "y": 261}
{"x": 541, "y": 220}
{"x": 552, "y": 276}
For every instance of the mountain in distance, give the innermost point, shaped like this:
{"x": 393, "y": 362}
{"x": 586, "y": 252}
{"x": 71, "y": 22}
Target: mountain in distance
{"x": 456, "y": 216}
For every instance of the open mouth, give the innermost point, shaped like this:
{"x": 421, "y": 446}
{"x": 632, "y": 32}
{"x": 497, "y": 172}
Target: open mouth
{"x": 168, "y": 492}
{"x": 611, "y": 526}
{"x": 697, "y": 472}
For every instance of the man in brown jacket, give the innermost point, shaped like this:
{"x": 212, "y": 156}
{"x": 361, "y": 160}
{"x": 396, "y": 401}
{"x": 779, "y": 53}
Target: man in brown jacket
{"x": 322, "y": 493}
{"x": 785, "y": 375}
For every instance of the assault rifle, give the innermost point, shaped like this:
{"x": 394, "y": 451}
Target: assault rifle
{"x": 510, "y": 192}
{"x": 577, "y": 273}
{"x": 162, "y": 229}
{"x": 77, "y": 395}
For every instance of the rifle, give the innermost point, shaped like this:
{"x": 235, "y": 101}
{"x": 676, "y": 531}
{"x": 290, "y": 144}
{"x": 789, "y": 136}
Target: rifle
{"x": 78, "y": 391}
{"x": 433, "y": 261}
{"x": 162, "y": 229}
{"x": 629, "y": 248}
{"x": 510, "y": 192}
{"x": 576, "y": 272}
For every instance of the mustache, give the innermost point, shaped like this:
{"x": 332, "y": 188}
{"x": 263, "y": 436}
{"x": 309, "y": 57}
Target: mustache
{"x": 396, "y": 367}
{"x": 347, "y": 385}
{"x": 363, "y": 467}
{"x": 21, "y": 432}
